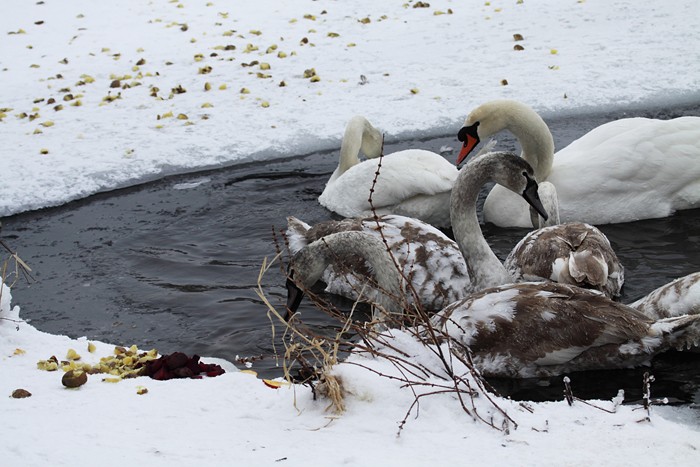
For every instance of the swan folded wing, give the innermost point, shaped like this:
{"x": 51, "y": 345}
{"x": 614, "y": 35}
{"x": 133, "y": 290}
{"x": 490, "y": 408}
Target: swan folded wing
{"x": 431, "y": 260}
{"x": 427, "y": 257}
{"x": 630, "y": 169}
{"x": 573, "y": 253}
{"x": 402, "y": 176}
{"x": 679, "y": 297}
{"x": 541, "y": 324}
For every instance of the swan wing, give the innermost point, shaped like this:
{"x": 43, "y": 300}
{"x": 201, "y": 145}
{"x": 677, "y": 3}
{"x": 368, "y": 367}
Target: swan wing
{"x": 679, "y": 297}
{"x": 430, "y": 260}
{"x": 573, "y": 253}
{"x": 403, "y": 177}
{"x": 629, "y": 169}
{"x": 531, "y": 329}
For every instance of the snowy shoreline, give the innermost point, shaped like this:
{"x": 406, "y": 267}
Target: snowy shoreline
{"x": 88, "y": 108}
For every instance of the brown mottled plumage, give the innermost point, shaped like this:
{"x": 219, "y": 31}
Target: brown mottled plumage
{"x": 573, "y": 253}
{"x": 541, "y": 329}
{"x": 679, "y": 297}
{"x": 440, "y": 270}
{"x": 427, "y": 257}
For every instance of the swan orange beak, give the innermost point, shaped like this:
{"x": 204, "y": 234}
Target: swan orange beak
{"x": 470, "y": 137}
{"x": 467, "y": 147}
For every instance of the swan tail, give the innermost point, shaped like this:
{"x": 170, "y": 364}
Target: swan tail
{"x": 679, "y": 332}
{"x": 296, "y": 233}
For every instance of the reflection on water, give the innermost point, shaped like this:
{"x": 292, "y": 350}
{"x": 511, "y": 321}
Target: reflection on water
{"x": 173, "y": 264}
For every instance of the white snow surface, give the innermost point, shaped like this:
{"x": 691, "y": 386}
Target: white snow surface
{"x": 424, "y": 69}
{"x": 423, "y": 73}
{"x": 235, "y": 419}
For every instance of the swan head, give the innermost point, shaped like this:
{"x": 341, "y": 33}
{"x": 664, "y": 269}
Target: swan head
{"x": 502, "y": 114}
{"x": 532, "y": 196}
{"x": 308, "y": 264}
{"x": 294, "y": 295}
{"x": 511, "y": 172}
{"x": 469, "y": 136}
{"x": 311, "y": 267}
{"x": 487, "y": 120}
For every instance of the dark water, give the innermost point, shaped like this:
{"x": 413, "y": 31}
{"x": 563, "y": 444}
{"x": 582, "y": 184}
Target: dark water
{"x": 166, "y": 266}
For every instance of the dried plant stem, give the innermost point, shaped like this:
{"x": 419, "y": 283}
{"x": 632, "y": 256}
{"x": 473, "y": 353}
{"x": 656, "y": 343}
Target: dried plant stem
{"x": 20, "y": 267}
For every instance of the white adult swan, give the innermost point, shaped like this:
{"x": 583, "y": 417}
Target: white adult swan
{"x": 413, "y": 182}
{"x": 517, "y": 330}
{"x": 622, "y": 171}
{"x": 440, "y": 269}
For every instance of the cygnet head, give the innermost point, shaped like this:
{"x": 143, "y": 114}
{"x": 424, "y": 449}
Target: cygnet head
{"x": 512, "y": 172}
{"x": 308, "y": 264}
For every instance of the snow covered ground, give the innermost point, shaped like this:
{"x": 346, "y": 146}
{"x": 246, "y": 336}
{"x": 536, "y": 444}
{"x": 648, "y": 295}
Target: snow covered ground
{"x": 235, "y": 419}
{"x": 150, "y": 88}
{"x": 99, "y": 95}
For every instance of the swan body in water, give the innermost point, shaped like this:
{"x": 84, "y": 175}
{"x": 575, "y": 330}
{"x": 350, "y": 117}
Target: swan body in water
{"x": 413, "y": 182}
{"x": 571, "y": 253}
{"x": 622, "y": 171}
{"x": 517, "y": 330}
{"x": 427, "y": 257}
{"x": 440, "y": 269}
{"x": 544, "y": 329}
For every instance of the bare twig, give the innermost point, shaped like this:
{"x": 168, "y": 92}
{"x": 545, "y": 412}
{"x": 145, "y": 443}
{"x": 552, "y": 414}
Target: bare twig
{"x": 317, "y": 355}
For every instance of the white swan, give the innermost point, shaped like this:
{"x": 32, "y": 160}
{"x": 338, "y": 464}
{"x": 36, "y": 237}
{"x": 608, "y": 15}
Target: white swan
{"x": 517, "y": 330}
{"x": 571, "y": 253}
{"x": 440, "y": 269}
{"x": 413, "y": 182}
{"x": 622, "y": 171}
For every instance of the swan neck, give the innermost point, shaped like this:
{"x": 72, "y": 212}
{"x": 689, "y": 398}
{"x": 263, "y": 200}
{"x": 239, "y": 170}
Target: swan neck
{"x": 349, "y": 148}
{"x": 359, "y": 135}
{"x": 526, "y": 125}
{"x": 536, "y": 142}
{"x": 337, "y": 248}
{"x": 485, "y": 269}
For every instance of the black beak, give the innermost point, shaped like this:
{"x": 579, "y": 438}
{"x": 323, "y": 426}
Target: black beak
{"x": 294, "y": 296}
{"x": 533, "y": 198}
